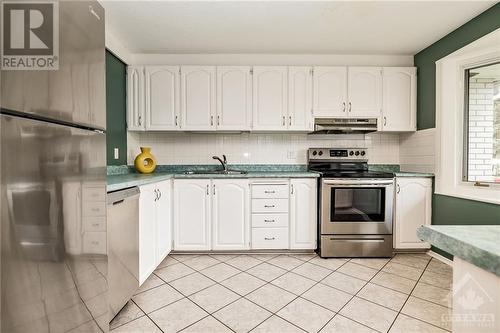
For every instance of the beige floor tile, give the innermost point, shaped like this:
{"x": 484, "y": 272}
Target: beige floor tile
{"x": 266, "y": 271}
{"x": 330, "y": 263}
{"x": 403, "y": 270}
{"x": 168, "y": 261}
{"x": 439, "y": 267}
{"x": 200, "y": 262}
{"x": 264, "y": 256}
{"x": 141, "y": 325}
{"x": 129, "y": 312}
{"x": 394, "y": 282}
{"x": 293, "y": 283}
{"x": 405, "y": 324}
{"x": 242, "y": 315}
{"x": 276, "y": 325}
{"x": 220, "y": 272}
{"x": 306, "y": 315}
{"x": 151, "y": 282}
{"x": 243, "y": 262}
{"x": 155, "y": 298}
{"x": 285, "y": 262}
{"x": 344, "y": 282}
{"x": 433, "y": 294}
{"x": 183, "y": 257}
{"x": 389, "y": 298}
{"x": 270, "y": 297}
{"x": 429, "y": 312}
{"x": 372, "y": 315}
{"x": 214, "y": 298}
{"x": 88, "y": 327}
{"x": 173, "y": 272}
{"x": 375, "y": 263}
{"x": 242, "y": 283}
{"x": 410, "y": 260}
{"x": 178, "y": 315}
{"x": 223, "y": 257}
{"x": 340, "y": 324}
{"x": 436, "y": 279}
{"x": 192, "y": 283}
{"x": 303, "y": 256}
{"x": 358, "y": 271}
{"x": 331, "y": 298}
{"x": 207, "y": 325}
{"x": 313, "y": 272}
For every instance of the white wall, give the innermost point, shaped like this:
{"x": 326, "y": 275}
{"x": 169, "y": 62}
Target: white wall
{"x": 417, "y": 151}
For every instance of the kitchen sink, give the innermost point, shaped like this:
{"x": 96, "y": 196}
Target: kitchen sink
{"x": 217, "y": 172}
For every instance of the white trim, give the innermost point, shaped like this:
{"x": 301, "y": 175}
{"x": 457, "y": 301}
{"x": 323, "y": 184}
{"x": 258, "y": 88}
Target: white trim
{"x": 440, "y": 258}
{"x": 114, "y": 45}
{"x": 449, "y": 118}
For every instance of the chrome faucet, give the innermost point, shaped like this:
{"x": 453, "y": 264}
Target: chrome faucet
{"x": 222, "y": 161}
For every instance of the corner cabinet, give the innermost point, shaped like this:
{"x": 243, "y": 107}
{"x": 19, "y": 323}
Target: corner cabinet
{"x": 162, "y": 98}
{"x": 303, "y": 211}
{"x": 413, "y": 209}
{"x": 135, "y": 98}
{"x": 399, "y": 99}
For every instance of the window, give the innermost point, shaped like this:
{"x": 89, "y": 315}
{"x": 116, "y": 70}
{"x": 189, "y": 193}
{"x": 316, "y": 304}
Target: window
{"x": 482, "y": 124}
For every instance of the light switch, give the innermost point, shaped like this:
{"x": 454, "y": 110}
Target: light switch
{"x": 117, "y": 153}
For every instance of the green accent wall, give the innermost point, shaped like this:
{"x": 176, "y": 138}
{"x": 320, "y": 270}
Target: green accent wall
{"x": 116, "y": 95}
{"x": 479, "y": 26}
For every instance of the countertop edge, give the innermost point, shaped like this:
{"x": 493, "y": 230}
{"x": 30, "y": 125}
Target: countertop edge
{"x": 413, "y": 174}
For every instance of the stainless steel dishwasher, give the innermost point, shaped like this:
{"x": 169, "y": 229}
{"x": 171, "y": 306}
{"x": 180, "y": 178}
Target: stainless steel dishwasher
{"x": 123, "y": 241}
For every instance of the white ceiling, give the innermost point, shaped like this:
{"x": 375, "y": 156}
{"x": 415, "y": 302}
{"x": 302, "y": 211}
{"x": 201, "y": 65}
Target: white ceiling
{"x": 289, "y": 27}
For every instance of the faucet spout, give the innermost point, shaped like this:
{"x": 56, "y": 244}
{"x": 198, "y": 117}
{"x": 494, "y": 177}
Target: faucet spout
{"x": 222, "y": 161}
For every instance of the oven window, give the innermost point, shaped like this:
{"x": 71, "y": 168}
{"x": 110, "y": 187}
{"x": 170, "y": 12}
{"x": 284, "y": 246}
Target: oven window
{"x": 357, "y": 204}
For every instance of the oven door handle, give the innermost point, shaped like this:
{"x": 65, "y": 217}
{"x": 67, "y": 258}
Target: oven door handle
{"x": 358, "y": 185}
{"x": 358, "y": 182}
{"x": 370, "y": 240}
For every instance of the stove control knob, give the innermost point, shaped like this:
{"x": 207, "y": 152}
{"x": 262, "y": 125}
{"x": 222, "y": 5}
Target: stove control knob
{"x": 315, "y": 153}
{"x": 320, "y": 153}
{"x": 351, "y": 153}
{"x": 357, "y": 152}
{"x": 363, "y": 153}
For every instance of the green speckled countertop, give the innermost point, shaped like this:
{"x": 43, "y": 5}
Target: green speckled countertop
{"x": 413, "y": 174}
{"x": 476, "y": 244}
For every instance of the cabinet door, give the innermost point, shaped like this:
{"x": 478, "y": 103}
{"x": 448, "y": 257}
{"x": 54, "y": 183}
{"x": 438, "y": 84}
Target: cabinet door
{"x": 365, "y": 92}
{"x": 192, "y": 214}
{"x": 162, "y": 97}
{"x": 330, "y": 91}
{"x": 270, "y": 87}
{"x": 230, "y": 218}
{"x": 399, "y": 99}
{"x": 198, "y": 98}
{"x": 163, "y": 220}
{"x": 303, "y": 217}
{"x": 300, "y": 116}
{"x": 234, "y": 98}
{"x": 135, "y": 98}
{"x": 413, "y": 209}
{"x": 147, "y": 231}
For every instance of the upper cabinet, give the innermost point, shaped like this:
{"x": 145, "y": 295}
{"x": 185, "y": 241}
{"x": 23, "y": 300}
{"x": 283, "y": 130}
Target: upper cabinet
{"x": 198, "y": 98}
{"x": 399, "y": 99}
{"x": 300, "y": 115}
{"x": 270, "y": 88}
{"x": 162, "y": 97}
{"x": 135, "y": 98}
{"x": 234, "y": 98}
{"x": 364, "y": 91}
{"x": 330, "y": 92}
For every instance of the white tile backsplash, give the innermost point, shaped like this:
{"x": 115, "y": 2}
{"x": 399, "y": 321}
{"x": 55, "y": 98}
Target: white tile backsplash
{"x": 256, "y": 148}
{"x": 417, "y": 151}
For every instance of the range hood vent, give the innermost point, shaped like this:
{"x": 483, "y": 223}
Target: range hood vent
{"x": 344, "y": 125}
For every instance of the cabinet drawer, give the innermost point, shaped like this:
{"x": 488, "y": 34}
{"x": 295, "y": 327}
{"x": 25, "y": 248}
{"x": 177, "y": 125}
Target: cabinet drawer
{"x": 97, "y": 193}
{"x": 270, "y": 191}
{"x": 94, "y": 223}
{"x": 94, "y": 208}
{"x": 94, "y": 243}
{"x": 270, "y": 205}
{"x": 269, "y": 220}
{"x": 270, "y": 238}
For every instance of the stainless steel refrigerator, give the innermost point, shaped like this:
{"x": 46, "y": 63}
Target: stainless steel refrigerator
{"x": 53, "y": 185}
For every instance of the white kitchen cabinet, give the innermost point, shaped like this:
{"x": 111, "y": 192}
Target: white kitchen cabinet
{"x": 192, "y": 211}
{"x": 135, "y": 98}
{"x": 198, "y": 98}
{"x": 413, "y": 209}
{"x": 147, "y": 231}
{"x": 300, "y": 117}
{"x": 234, "y": 98}
{"x": 303, "y": 216}
{"x": 162, "y": 98}
{"x": 163, "y": 221}
{"x": 270, "y": 98}
{"x": 330, "y": 91}
{"x": 230, "y": 214}
{"x": 364, "y": 92}
{"x": 399, "y": 99}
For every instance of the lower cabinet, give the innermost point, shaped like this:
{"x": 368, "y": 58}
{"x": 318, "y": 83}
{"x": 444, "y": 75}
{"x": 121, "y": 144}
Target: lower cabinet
{"x": 413, "y": 209}
{"x": 303, "y": 213}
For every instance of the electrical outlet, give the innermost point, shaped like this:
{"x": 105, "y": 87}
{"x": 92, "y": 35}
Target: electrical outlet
{"x": 117, "y": 153}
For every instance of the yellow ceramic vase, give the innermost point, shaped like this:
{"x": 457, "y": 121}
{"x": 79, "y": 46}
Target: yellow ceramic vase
{"x": 145, "y": 162}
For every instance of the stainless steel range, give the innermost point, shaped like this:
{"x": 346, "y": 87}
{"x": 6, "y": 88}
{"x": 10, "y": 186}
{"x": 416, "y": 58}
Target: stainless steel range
{"x": 355, "y": 204}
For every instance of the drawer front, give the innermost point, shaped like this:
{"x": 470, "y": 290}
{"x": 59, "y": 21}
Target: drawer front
{"x": 270, "y": 205}
{"x": 94, "y": 223}
{"x": 269, "y": 238}
{"x": 269, "y": 220}
{"x": 269, "y": 191}
{"x": 94, "y": 208}
{"x": 97, "y": 193}
{"x": 94, "y": 243}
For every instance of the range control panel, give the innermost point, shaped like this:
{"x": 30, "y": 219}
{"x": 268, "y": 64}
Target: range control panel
{"x": 337, "y": 154}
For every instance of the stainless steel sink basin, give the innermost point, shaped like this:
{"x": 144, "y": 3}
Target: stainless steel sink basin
{"x": 218, "y": 172}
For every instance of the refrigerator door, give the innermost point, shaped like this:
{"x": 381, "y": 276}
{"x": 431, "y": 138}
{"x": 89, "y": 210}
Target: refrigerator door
{"x": 53, "y": 222}
{"x": 74, "y": 93}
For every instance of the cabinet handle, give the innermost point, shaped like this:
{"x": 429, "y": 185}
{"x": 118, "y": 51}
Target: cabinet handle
{"x": 350, "y": 106}
{"x": 156, "y": 195}
{"x": 208, "y": 189}
{"x": 269, "y": 206}
{"x": 399, "y": 188}
{"x": 269, "y": 221}
{"x": 214, "y": 189}
{"x": 140, "y": 120}
{"x": 211, "y": 120}
{"x": 159, "y": 194}
{"x": 343, "y": 107}
{"x": 284, "y": 121}
{"x": 292, "y": 188}
{"x": 290, "y": 120}
{"x": 218, "y": 120}
{"x": 385, "y": 121}
{"x": 271, "y": 238}
{"x": 269, "y": 192}
{"x": 176, "y": 120}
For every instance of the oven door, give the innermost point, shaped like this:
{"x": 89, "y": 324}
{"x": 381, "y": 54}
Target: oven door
{"x": 357, "y": 206}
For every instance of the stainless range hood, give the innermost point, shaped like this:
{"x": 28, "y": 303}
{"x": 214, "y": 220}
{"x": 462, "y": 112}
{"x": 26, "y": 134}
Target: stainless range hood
{"x": 344, "y": 125}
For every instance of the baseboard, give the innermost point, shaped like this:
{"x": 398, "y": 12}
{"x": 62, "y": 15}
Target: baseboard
{"x": 440, "y": 257}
